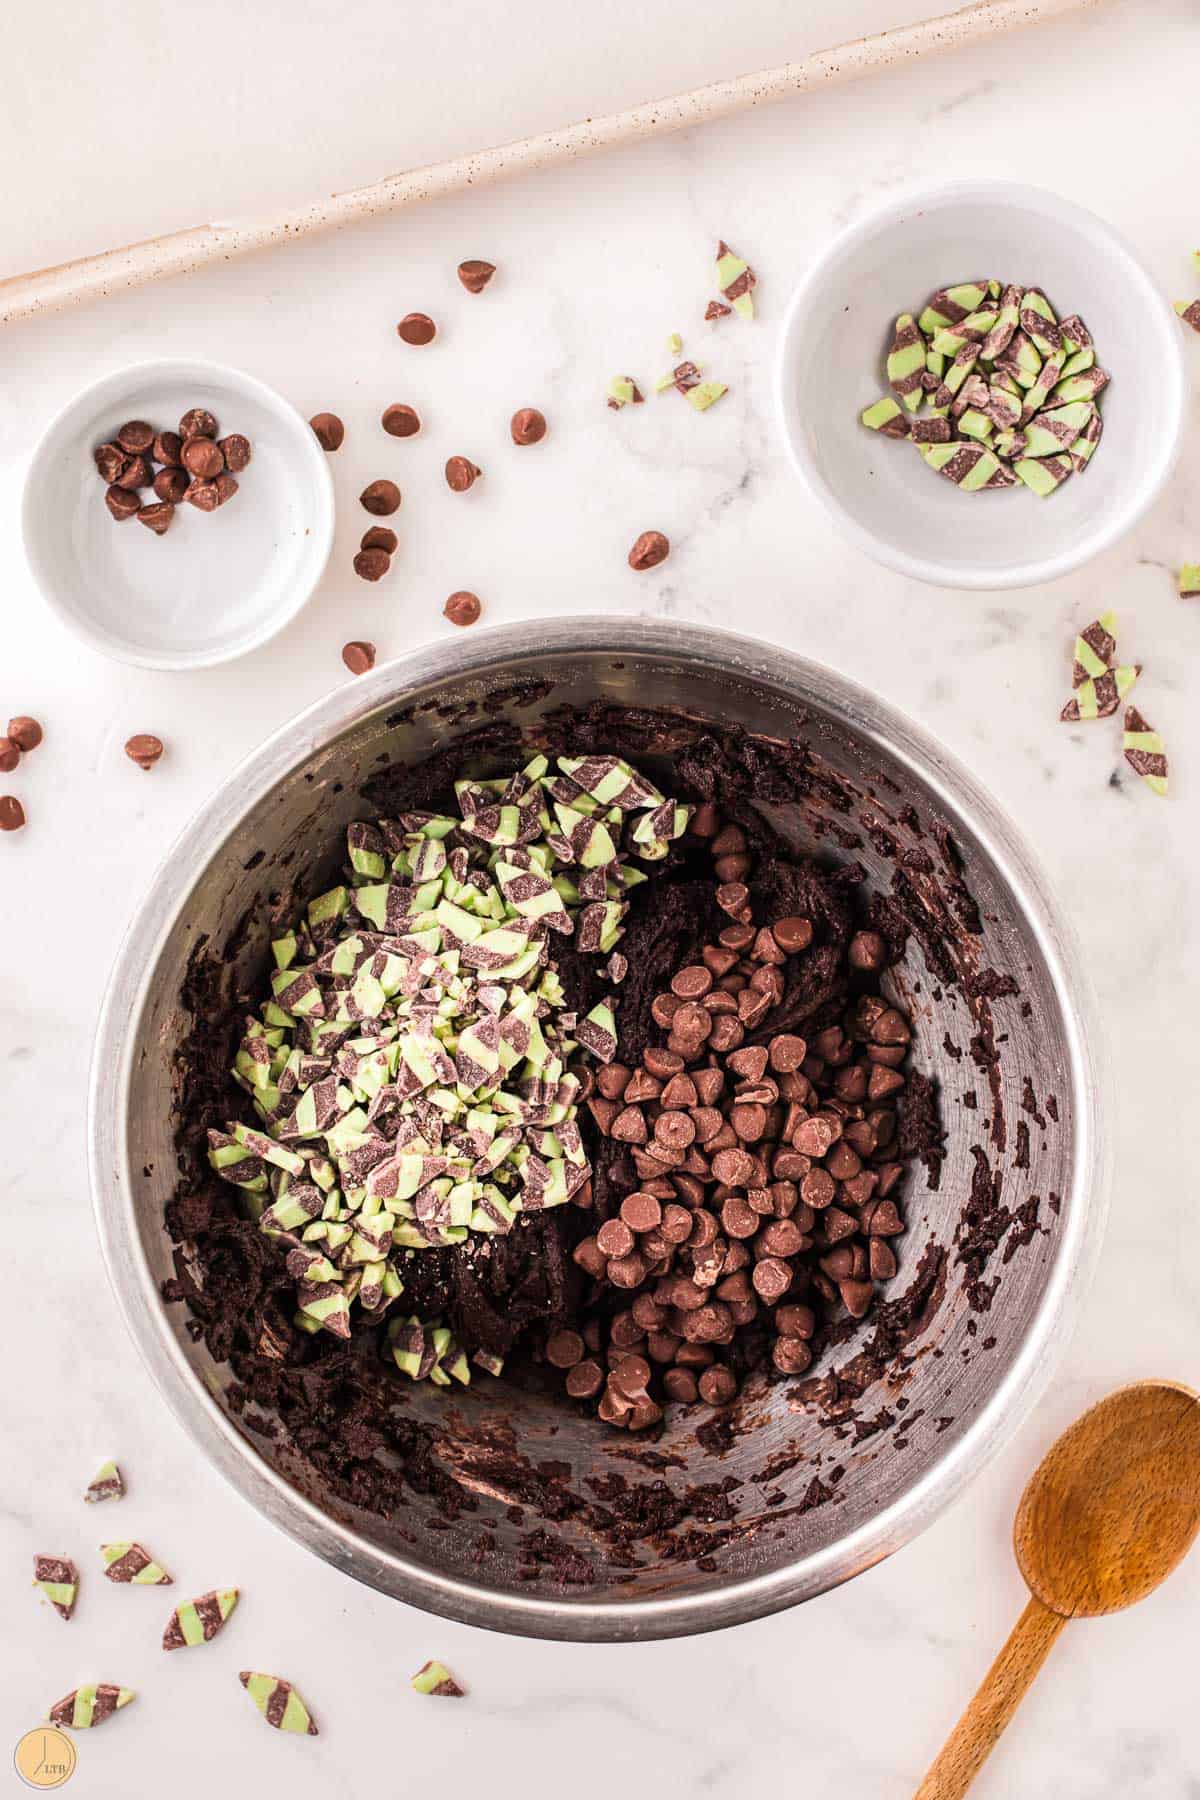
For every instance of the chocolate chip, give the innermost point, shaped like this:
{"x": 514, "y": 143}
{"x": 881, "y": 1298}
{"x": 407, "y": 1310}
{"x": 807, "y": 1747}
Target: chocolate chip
{"x": 632, "y": 1375}
{"x": 791, "y": 1356}
{"x": 867, "y": 952}
{"x": 358, "y": 656}
{"x": 475, "y": 275}
{"x": 786, "y": 1052}
{"x": 372, "y": 565}
{"x": 135, "y": 437}
{"x": 771, "y": 1278}
{"x": 401, "y": 421}
{"x": 330, "y": 432}
{"x": 680, "y": 1386}
{"x": 144, "y": 749}
{"x": 732, "y": 897}
{"x": 109, "y": 459}
{"x": 417, "y": 328}
{"x": 564, "y": 1349}
{"x": 817, "y": 1136}
{"x": 641, "y": 1212}
{"x": 203, "y": 495}
{"x": 171, "y": 485}
{"x": 795, "y": 1320}
{"x": 588, "y": 1256}
{"x": 166, "y": 449}
{"x": 197, "y": 423}
{"x": 818, "y": 1188}
{"x": 135, "y": 474}
{"x": 157, "y": 518}
{"x": 463, "y": 608}
{"x": 891, "y": 1027}
{"x": 626, "y": 1271}
{"x": 121, "y": 502}
{"x": 856, "y": 1297}
{"x": 782, "y": 1237}
{"x": 25, "y": 732}
{"x": 793, "y": 933}
{"x": 226, "y": 487}
{"x": 381, "y": 498}
{"x": 585, "y": 1380}
{"x": 692, "y": 982}
{"x": 461, "y": 474}
{"x": 12, "y": 813}
{"x": 10, "y": 755}
{"x": 379, "y": 537}
{"x": 615, "y": 1238}
{"x": 718, "y": 1385}
{"x": 528, "y": 426}
{"x": 650, "y": 549}
{"x": 237, "y": 452}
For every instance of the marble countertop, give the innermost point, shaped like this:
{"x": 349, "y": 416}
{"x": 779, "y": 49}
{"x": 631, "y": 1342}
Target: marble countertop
{"x": 853, "y": 1693}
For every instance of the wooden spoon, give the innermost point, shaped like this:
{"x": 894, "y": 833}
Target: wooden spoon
{"x": 1107, "y": 1515}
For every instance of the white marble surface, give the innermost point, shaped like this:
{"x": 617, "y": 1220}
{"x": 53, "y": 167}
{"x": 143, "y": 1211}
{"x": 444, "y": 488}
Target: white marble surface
{"x": 853, "y": 1693}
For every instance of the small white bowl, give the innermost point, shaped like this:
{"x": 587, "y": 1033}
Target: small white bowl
{"x": 878, "y": 490}
{"x": 217, "y": 584}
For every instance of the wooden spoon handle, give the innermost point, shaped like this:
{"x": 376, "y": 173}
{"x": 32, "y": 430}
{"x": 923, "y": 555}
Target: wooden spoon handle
{"x": 93, "y": 277}
{"x": 996, "y": 1700}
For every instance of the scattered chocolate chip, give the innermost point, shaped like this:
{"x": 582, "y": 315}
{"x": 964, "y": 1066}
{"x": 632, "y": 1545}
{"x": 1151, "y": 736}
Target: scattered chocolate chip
{"x": 461, "y": 474}
{"x": 144, "y": 750}
{"x": 10, "y": 755}
{"x": 380, "y": 537}
{"x": 226, "y": 487}
{"x": 401, "y": 421}
{"x": 475, "y": 275}
{"x": 372, "y": 565}
{"x": 171, "y": 485}
{"x": 237, "y": 452}
{"x": 166, "y": 449}
{"x": 121, "y": 502}
{"x": 157, "y": 517}
{"x": 381, "y": 498}
{"x": 417, "y": 328}
{"x": 25, "y": 732}
{"x": 358, "y": 656}
{"x": 528, "y": 426}
{"x": 135, "y": 437}
{"x": 12, "y": 813}
{"x": 197, "y": 423}
{"x": 650, "y": 549}
{"x": 463, "y": 608}
{"x": 329, "y": 430}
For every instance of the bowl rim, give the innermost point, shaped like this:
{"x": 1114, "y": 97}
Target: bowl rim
{"x": 321, "y": 527}
{"x": 1080, "y": 219}
{"x": 1083, "y": 1212}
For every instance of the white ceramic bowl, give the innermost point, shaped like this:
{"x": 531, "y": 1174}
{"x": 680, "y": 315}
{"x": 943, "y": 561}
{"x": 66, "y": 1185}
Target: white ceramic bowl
{"x": 217, "y": 584}
{"x": 878, "y": 490}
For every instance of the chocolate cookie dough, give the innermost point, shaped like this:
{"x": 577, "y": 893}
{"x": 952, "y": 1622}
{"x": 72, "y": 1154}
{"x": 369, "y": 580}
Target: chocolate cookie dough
{"x": 520, "y": 1297}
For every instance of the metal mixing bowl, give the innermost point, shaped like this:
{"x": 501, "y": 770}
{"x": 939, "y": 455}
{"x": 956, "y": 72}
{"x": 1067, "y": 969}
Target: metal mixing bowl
{"x": 974, "y": 1363}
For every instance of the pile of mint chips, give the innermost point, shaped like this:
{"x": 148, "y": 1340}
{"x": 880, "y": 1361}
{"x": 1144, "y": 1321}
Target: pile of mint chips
{"x": 411, "y": 1067}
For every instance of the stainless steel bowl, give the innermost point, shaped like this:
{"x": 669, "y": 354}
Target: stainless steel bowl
{"x": 909, "y": 1445}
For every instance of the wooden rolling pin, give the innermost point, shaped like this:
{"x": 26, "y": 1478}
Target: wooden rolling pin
{"x": 94, "y": 277}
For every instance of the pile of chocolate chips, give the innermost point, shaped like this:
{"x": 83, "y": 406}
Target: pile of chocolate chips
{"x": 766, "y": 1168}
{"x": 195, "y": 466}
